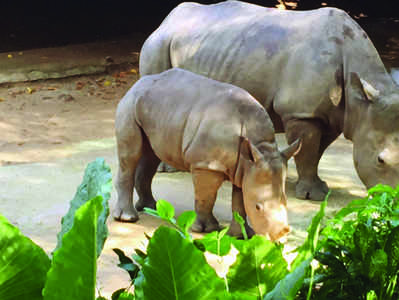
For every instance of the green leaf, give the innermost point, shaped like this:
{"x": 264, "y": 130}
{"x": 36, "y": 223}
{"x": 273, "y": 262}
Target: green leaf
{"x": 117, "y": 293}
{"x": 73, "y": 271}
{"x": 216, "y": 242}
{"x": 364, "y": 240}
{"x": 23, "y": 265}
{"x": 165, "y": 210}
{"x": 97, "y": 181}
{"x": 288, "y": 287}
{"x": 126, "y": 296}
{"x": 308, "y": 248}
{"x": 378, "y": 265}
{"x": 240, "y": 220}
{"x": 371, "y": 295}
{"x": 176, "y": 269}
{"x": 151, "y": 212}
{"x": 186, "y": 220}
{"x": 258, "y": 267}
{"x": 392, "y": 251}
{"x": 126, "y": 263}
{"x": 354, "y": 206}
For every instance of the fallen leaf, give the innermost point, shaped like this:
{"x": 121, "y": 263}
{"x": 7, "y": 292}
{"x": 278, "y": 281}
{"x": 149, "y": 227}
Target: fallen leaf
{"x": 2, "y": 99}
{"x": 51, "y": 88}
{"x": 133, "y": 71}
{"x": 29, "y": 90}
{"x": 9, "y": 56}
{"x": 79, "y": 85}
{"x": 107, "y": 83}
{"x": 20, "y": 53}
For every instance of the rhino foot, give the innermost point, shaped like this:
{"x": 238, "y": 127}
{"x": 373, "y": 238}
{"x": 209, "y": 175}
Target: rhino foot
{"x": 125, "y": 216}
{"x": 315, "y": 190}
{"x": 141, "y": 203}
{"x": 205, "y": 225}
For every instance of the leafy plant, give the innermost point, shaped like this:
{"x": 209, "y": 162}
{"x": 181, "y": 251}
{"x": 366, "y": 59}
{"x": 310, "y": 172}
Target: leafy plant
{"x": 25, "y": 269}
{"x": 359, "y": 253}
{"x": 175, "y": 264}
{"x": 23, "y": 265}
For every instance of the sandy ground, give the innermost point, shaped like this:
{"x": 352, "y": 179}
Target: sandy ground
{"x": 51, "y": 129}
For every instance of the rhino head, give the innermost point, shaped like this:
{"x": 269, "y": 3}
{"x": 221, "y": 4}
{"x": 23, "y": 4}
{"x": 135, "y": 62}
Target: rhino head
{"x": 263, "y": 185}
{"x": 374, "y": 130}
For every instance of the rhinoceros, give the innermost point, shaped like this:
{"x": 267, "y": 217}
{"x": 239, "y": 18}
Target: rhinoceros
{"x": 214, "y": 130}
{"x": 316, "y": 72}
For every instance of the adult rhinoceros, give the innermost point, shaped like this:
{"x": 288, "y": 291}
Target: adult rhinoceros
{"x": 316, "y": 72}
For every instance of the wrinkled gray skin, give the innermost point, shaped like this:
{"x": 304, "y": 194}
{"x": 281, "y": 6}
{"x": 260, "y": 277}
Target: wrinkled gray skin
{"x": 215, "y": 130}
{"x": 316, "y": 72}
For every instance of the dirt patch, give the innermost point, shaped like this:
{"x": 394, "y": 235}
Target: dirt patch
{"x": 38, "y": 120}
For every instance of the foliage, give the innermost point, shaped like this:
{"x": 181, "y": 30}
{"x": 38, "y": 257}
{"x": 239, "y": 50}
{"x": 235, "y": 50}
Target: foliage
{"x": 97, "y": 181}
{"x": 25, "y": 268}
{"x": 74, "y": 264}
{"x": 259, "y": 271}
{"x": 359, "y": 253}
{"x": 23, "y": 265}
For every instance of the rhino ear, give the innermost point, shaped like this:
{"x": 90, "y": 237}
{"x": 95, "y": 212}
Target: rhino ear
{"x": 249, "y": 151}
{"x": 292, "y": 149}
{"x": 367, "y": 89}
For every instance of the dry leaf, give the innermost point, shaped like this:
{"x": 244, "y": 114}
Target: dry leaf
{"x": 107, "y": 83}
{"x": 79, "y": 85}
{"x": 9, "y": 56}
{"x": 29, "y": 90}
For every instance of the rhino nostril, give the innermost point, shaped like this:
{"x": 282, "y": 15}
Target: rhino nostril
{"x": 380, "y": 160}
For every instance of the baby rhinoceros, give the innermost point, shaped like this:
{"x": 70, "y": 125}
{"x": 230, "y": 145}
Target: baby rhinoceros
{"x": 216, "y": 131}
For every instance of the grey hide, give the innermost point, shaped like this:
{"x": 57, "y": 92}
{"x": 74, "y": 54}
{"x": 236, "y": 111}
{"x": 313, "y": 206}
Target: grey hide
{"x": 214, "y": 130}
{"x": 316, "y": 72}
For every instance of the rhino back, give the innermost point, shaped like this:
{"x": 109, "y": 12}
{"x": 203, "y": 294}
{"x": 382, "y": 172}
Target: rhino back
{"x": 288, "y": 60}
{"x": 185, "y": 124}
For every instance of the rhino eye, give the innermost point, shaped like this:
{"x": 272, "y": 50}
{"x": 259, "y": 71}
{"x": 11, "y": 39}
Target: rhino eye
{"x": 380, "y": 160}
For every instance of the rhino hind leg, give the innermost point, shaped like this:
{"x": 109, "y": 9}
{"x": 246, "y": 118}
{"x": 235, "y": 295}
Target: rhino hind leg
{"x": 206, "y": 185}
{"x": 146, "y": 170}
{"x": 309, "y": 185}
{"x": 129, "y": 145}
{"x": 237, "y": 205}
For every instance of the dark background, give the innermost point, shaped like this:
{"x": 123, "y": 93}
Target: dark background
{"x": 25, "y": 25}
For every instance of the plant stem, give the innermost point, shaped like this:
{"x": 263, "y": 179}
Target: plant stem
{"x": 311, "y": 282}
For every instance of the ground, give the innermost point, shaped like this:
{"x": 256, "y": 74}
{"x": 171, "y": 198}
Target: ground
{"x": 51, "y": 129}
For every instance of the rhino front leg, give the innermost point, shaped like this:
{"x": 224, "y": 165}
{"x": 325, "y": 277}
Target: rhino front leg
{"x": 146, "y": 170}
{"x": 309, "y": 184}
{"x": 129, "y": 145}
{"x": 206, "y": 185}
{"x": 237, "y": 205}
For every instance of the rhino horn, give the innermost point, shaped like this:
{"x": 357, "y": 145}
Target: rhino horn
{"x": 292, "y": 149}
{"x": 369, "y": 90}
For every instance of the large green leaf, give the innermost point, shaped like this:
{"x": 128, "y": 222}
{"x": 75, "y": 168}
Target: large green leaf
{"x": 288, "y": 287}
{"x": 176, "y": 269}
{"x": 258, "y": 267}
{"x": 73, "y": 270}
{"x": 23, "y": 265}
{"x": 97, "y": 181}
